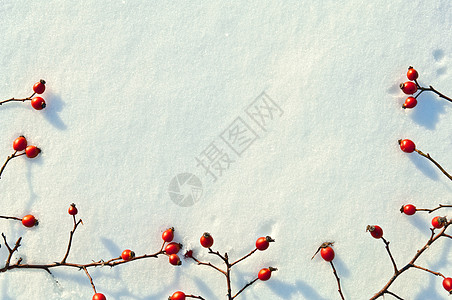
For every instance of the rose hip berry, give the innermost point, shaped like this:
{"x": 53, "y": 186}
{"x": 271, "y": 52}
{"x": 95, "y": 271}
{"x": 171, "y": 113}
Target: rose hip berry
{"x": 32, "y": 151}
{"x": 168, "y": 235}
{"x": 172, "y": 248}
{"x": 262, "y": 243}
{"x": 174, "y": 260}
{"x": 20, "y": 143}
{"x": 447, "y": 284}
{"x": 38, "y": 103}
{"x": 408, "y": 209}
{"x": 29, "y": 221}
{"x": 412, "y": 73}
{"x": 265, "y": 274}
{"x": 39, "y": 87}
{"x": 408, "y": 87}
{"x": 375, "y": 231}
{"x": 327, "y": 253}
{"x": 127, "y": 254}
{"x": 72, "y": 210}
{"x": 410, "y": 102}
{"x": 206, "y": 240}
{"x": 407, "y": 146}
{"x": 177, "y": 296}
{"x": 99, "y": 296}
{"x": 438, "y": 222}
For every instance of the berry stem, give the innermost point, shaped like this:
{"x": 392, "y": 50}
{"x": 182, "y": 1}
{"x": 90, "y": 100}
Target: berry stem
{"x": 389, "y": 253}
{"x": 246, "y": 256}
{"x": 243, "y": 288}
{"x": 193, "y": 296}
{"x": 14, "y": 99}
{"x": 430, "y": 271}
{"x": 90, "y": 279}
{"x": 338, "y": 280}
{"x": 71, "y": 234}
{"x": 433, "y": 209}
{"x": 8, "y": 159}
{"x": 14, "y": 218}
{"x": 433, "y": 161}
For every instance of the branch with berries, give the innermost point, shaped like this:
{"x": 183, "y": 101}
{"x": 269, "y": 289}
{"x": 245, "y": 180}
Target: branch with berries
{"x": 37, "y": 103}
{"x": 437, "y": 223}
{"x": 412, "y": 86}
{"x": 206, "y": 241}
{"x": 168, "y": 248}
{"x": 21, "y": 144}
{"x": 327, "y": 253}
{"x": 408, "y": 146}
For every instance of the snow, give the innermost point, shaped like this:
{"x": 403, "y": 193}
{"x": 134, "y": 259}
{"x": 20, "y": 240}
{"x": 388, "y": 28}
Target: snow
{"x": 136, "y": 91}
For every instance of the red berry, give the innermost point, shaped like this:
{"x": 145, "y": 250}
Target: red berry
{"x": 206, "y": 240}
{"x": 412, "y": 74}
{"x": 72, "y": 210}
{"x": 262, "y": 243}
{"x": 172, "y": 248}
{"x": 177, "y": 296}
{"x": 375, "y": 231}
{"x": 29, "y": 221}
{"x": 327, "y": 253}
{"x": 408, "y": 87}
{"x": 39, "y": 87}
{"x": 188, "y": 254}
{"x": 408, "y": 209}
{"x": 407, "y": 146}
{"x": 438, "y": 222}
{"x": 410, "y": 102}
{"x": 38, "y": 103}
{"x": 174, "y": 260}
{"x": 447, "y": 284}
{"x": 265, "y": 273}
{"x": 168, "y": 235}
{"x": 32, "y": 151}
{"x": 20, "y": 143}
{"x": 99, "y": 296}
{"x": 127, "y": 254}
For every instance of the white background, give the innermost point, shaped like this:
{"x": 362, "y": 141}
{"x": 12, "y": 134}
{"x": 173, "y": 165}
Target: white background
{"x": 136, "y": 90}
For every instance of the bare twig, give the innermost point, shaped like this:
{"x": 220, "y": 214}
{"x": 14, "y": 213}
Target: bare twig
{"x": 8, "y": 159}
{"x": 338, "y": 280}
{"x": 19, "y": 100}
{"x": 434, "y": 162}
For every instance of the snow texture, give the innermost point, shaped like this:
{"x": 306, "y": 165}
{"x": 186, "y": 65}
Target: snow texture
{"x": 137, "y": 91}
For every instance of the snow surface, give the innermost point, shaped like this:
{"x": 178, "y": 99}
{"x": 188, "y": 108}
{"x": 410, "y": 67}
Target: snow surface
{"x": 137, "y": 90}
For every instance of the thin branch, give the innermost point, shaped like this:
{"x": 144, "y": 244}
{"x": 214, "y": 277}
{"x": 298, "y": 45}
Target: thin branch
{"x": 196, "y": 297}
{"x": 90, "y": 279}
{"x": 243, "y": 288}
{"x": 209, "y": 265}
{"x": 390, "y": 255}
{"x": 14, "y": 218}
{"x": 19, "y": 100}
{"x": 434, "y": 162}
{"x": 433, "y": 209}
{"x": 338, "y": 280}
{"x": 71, "y": 234}
{"x": 430, "y": 271}
{"x": 8, "y": 159}
{"x": 246, "y": 256}
{"x": 431, "y": 89}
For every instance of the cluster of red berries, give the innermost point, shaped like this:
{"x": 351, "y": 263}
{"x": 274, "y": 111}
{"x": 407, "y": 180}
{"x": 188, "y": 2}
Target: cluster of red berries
{"x": 39, "y": 87}
{"x": 172, "y": 248}
{"x": 20, "y": 144}
{"x": 410, "y": 87}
